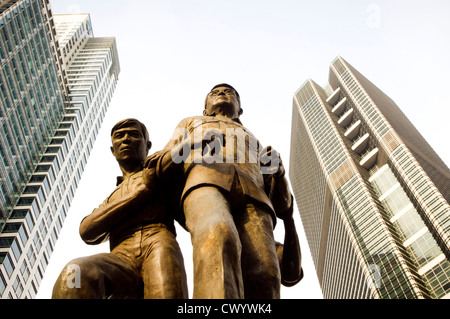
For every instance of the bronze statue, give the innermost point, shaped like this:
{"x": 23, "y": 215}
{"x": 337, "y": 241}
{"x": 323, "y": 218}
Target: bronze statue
{"x": 145, "y": 260}
{"x": 232, "y": 192}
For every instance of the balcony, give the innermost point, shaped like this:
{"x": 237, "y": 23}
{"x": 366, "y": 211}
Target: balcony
{"x": 353, "y": 130}
{"x": 346, "y": 118}
{"x": 369, "y": 159}
{"x": 334, "y": 96}
{"x": 339, "y": 108}
{"x": 361, "y": 144}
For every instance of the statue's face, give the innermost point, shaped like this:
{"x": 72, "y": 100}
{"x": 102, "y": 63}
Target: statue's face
{"x": 128, "y": 144}
{"x": 223, "y": 100}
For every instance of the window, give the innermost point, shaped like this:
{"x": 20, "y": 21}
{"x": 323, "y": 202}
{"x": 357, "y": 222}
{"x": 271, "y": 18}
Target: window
{"x": 8, "y": 265}
{"x": 31, "y": 189}
{"x": 23, "y": 235}
{"x": 49, "y": 249}
{"x": 18, "y": 288}
{"x": 12, "y": 227}
{"x": 25, "y": 271}
{"x": 5, "y": 242}
{"x": 25, "y": 201}
{"x": 37, "y": 178}
{"x": 37, "y": 242}
{"x": 19, "y": 213}
{"x": 42, "y": 168}
{"x": 52, "y": 150}
{"x": 43, "y": 229}
{"x": 2, "y": 283}
{"x": 54, "y": 235}
{"x": 16, "y": 250}
{"x": 31, "y": 256}
{"x": 39, "y": 275}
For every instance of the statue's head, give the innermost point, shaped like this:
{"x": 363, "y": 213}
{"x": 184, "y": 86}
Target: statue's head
{"x": 130, "y": 141}
{"x": 223, "y": 99}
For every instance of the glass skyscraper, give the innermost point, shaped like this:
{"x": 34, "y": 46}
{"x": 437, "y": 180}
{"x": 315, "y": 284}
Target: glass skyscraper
{"x": 57, "y": 80}
{"x": 372, "y": 194}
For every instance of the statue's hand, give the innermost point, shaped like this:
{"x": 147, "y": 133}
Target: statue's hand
{"x": 271, "y": 162}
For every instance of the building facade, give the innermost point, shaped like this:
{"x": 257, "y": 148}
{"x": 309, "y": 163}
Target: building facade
{"x": 375, "y": 204}
{"x": 57, "y": 81}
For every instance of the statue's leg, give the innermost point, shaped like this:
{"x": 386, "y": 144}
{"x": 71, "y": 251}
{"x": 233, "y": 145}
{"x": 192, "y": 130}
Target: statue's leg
{"x": 98, "y": 276}
{"x": 216, "y": 245}
{"x": 260, "y": 266}
{"x": 163, "y": 270}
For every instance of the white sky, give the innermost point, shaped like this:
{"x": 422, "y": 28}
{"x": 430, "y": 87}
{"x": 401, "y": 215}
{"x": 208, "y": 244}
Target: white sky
{"x": 172, "y": 52}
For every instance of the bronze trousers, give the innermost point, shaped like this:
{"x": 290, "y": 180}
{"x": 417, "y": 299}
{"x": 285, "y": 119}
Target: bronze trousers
{"x": 147, "y": 264}
{"x": 234, "y": 252}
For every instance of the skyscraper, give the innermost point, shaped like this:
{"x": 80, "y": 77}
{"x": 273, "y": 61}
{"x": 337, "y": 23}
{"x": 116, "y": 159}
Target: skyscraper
{"x": 56, "y": 84}
{"x": 372, "y": 194}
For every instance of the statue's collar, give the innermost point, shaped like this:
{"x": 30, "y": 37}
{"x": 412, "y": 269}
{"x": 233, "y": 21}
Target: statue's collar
{"x": 120, "y": 179}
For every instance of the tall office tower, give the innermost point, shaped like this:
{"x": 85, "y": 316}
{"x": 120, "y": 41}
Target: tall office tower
{"x": 372, "y": 194}
{"x": 56, "y": 84}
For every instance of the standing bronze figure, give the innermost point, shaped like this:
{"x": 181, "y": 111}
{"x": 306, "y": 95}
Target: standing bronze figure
{"x": 233, "y": 191}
